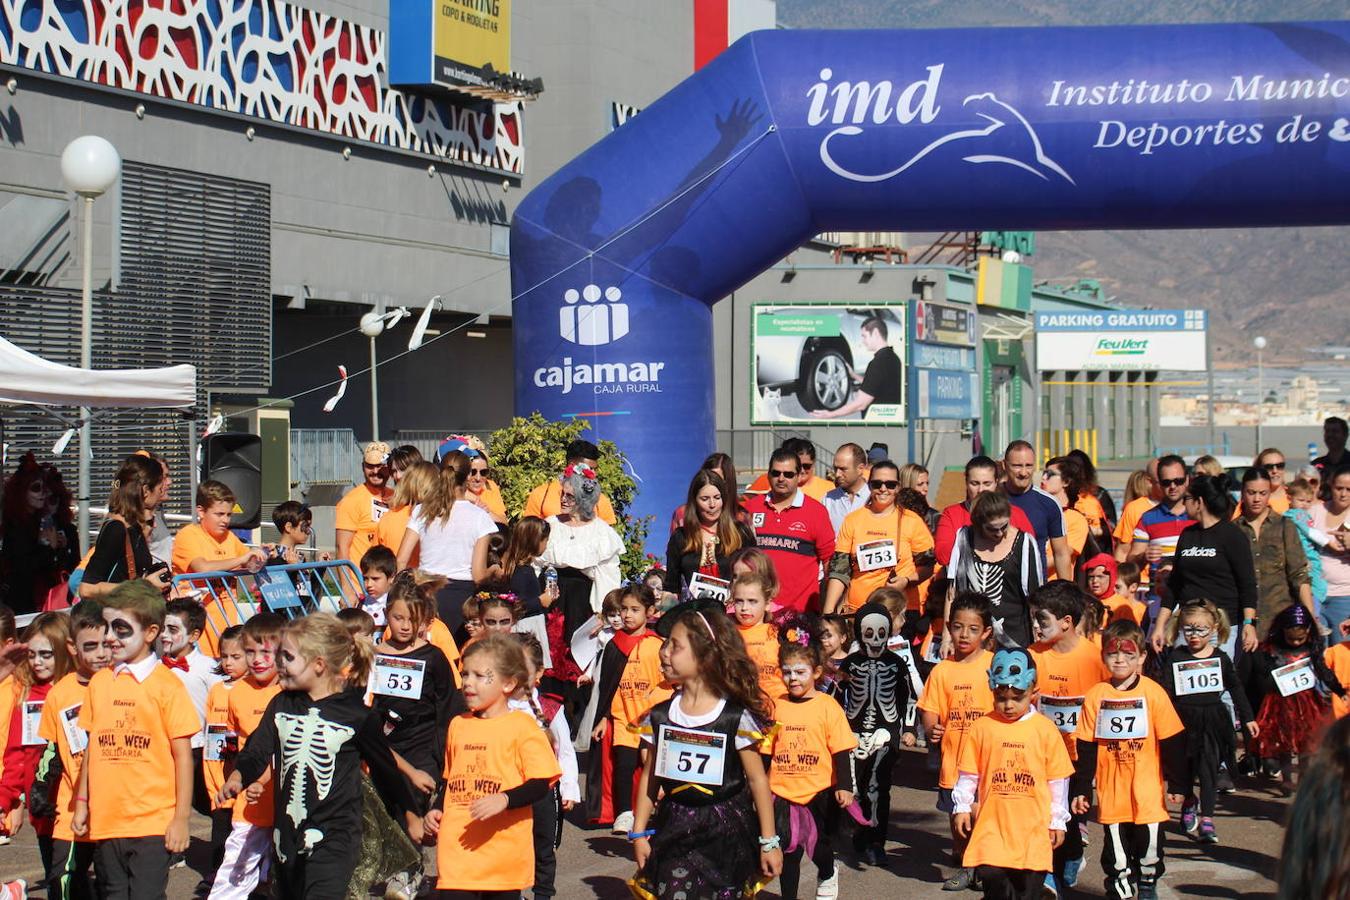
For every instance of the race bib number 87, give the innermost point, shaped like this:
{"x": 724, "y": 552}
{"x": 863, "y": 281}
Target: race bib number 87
{"x": 687, "y": 754}
{"x": 1123, "y": 720}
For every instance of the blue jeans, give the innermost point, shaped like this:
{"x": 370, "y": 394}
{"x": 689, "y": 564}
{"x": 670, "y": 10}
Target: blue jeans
{"x": 1335, "y": 610}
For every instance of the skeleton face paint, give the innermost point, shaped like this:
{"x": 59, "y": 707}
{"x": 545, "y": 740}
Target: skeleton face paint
{"x": 875, "y": 630}
{"x": 128, "y": 640}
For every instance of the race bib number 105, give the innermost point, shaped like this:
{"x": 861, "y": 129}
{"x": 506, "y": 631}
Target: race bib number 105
{"x": 1198, "y": 676}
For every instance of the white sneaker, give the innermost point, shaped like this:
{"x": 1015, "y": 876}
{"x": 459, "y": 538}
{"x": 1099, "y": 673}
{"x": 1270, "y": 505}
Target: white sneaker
{"x": 623, "y": 823}
{"x": 829, "y": 888}
{"x": 4, "y": 839}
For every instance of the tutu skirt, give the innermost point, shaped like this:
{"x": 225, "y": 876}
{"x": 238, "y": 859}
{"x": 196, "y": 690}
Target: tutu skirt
{"x": 386, "y": 849}
{"x": 1291, "y": 725}
{"x": 702, "y": 852}
{"x": 1210, "y": 739}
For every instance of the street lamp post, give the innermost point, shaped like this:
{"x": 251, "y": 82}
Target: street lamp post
{"x": 89, "y": 166}
{"x": 1260, "y": 345}
{"x": 372, "y": 326}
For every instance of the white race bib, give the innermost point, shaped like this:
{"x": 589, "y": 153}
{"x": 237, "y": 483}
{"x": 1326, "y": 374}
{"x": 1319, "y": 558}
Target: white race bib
{"x": 903, "y": 649}
{"x": 1198, "y": 676}
{"x": 378, "y": 508}
{"x": 398, "y": 677}
{"x": 934, "y": 652}
{"x": 1063, "y": 711}
{"x": 1123, "y": 720}
{"x": 875, "y": 555}
{"x": 1295, "y": 678}
{"x": 707, "y": 587}
{"x": 77, "y": 739}
{"x": 217, "y": 735}
{"x": 687, "y": 754}
{"x": 32, "y": 717}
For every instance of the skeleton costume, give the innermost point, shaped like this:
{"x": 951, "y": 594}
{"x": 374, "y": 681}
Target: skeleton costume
{"x": 316, "y": 749}
{"x": 875, "y": 696}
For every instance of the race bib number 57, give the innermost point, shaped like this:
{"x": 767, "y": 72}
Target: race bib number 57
{"x": 687, "y": 754}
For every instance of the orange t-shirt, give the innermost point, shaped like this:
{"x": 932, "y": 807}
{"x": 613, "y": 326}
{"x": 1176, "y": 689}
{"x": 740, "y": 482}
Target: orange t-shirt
{"x": 1130, "y": 784}
{"x": 360, "y": 512}
{"x": 246, "y": 704}
{"x": 1076, "y": 533}
{"x": 1118, "y": 607}
{"x": 132, "y": 725}
{"x": 59, "y": 723}
{"x": 807, "y": 734}
{"x": 389, "y": 533}
{"x": 217, "y": 713}
{"x": 439, "y": 636}
{"x": 1129, "y": 518}
{"x": 546, "y": 500}
{"x": 1070, "y": 676}
{"x": 483, "y": 757}
{"x": 1015, "y": 762}
{"x": 640, "y": 689}
{"x": 1338, "y": 661}
{"x": 905, "y": 532}
{"x": 192, "y": 542}
{"x": 1092, "y": 510}
{"x": 492, "y": 501}
{"x": 958, "y": 694}
{"x": 761, "y": 643}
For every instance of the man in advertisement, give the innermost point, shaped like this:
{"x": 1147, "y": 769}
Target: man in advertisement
{"x": 880, "y": 383}
{"x": 794, "y": 531}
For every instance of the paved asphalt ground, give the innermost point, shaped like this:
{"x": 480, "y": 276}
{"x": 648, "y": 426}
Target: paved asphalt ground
{"x": 592, "y": 864}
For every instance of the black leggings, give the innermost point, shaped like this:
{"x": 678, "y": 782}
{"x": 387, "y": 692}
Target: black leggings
{"x": 547, "y": 835}
{"x": 625, "y": 767}
{"x": 823, "y": 857}
{"x": 478, "y": 895}
{"x": 1010, "y": 884}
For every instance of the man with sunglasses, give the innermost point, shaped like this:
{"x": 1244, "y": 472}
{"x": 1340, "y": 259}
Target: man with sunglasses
{"x": 1155, "y": 537}
{"x": 360, "y": 510}
{"x": 795, "y": 531}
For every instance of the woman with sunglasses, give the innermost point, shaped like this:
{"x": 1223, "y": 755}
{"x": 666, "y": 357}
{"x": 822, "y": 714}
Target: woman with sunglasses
{"x": 879, "y": 545}
{"x": 480, "y": 489}
{"x": 40, "y": 543}
{"x": 1273, "y": 461}
{"x": 999, "y": 562}
{"x": 1213, "y": 560}
{"x": 1062, "y": 479}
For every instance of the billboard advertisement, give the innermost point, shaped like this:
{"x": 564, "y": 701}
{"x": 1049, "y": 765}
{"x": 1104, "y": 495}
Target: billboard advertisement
{"x": 824, "y": 363}
{"x": 455, "y": 43}
{"x": 1123, "y": 340}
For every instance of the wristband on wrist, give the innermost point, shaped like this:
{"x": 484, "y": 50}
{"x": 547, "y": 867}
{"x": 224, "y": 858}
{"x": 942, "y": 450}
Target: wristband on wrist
{"x": 767, "y": 844}
{"x": 81, "y": 799}
{"x": 1249, "y": 621}
{"x": 634, "y": 835}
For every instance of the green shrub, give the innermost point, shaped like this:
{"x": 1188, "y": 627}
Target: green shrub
{"x": 532, "y": 450}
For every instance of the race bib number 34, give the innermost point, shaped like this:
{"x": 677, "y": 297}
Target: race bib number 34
{"x": 1123, "y": 720}
{"x": 875, "y": 555}
{"x": 687, "y": 754}
{"x": 1294, "y": 678}
{"x": 399, "y": 677}
{"x": 1063, "y": 711}
{"x": 1198, "y": 676}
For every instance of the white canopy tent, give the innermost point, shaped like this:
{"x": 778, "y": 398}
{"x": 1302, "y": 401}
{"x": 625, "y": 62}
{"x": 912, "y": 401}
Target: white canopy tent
{"x": 28, "y": 378}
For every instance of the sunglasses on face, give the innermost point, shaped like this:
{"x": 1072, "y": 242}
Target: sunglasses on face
{"x": 780, "y": 473}
{"x": 480, "y": 472}
{"x": 1172, "y": 482}
{"x": 879, "y": 485}
{"x": 1049, "y": 473}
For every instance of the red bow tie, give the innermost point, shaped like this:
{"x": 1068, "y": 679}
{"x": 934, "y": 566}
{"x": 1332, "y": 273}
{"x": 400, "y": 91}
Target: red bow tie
{"x": 180, "y": 663}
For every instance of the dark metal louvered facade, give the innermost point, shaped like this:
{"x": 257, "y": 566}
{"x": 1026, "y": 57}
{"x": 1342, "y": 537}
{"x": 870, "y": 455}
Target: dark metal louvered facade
{"x": 192, "y": 286}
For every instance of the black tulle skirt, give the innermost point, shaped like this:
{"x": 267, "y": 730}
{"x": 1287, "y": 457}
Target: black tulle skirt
{"x": 705, "y": 852}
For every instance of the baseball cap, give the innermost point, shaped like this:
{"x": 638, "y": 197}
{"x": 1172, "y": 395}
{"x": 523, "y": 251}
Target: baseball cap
{"x": 458, "y": 442}
{"x": 377, "y": 452}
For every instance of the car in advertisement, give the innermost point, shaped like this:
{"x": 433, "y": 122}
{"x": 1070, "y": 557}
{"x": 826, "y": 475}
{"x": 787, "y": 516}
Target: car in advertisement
{"x": 817, "y": 363}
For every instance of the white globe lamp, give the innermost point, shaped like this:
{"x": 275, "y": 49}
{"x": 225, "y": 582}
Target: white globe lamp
{"x": 90, "y": 165}
{"x": 372, "y": 324}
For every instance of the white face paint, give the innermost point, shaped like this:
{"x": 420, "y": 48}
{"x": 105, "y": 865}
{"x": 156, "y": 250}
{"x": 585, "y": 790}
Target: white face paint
{"x": 875, "y": 630}
{"x": 799, "y": 677}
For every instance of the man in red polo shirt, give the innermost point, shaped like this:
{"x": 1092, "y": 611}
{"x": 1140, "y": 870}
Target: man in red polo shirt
{"x": 981, "y": 476}
{"x": 794, "y": 531}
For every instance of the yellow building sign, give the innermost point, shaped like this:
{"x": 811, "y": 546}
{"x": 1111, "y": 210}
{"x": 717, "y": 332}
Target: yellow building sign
{"x": 471, "y": 35}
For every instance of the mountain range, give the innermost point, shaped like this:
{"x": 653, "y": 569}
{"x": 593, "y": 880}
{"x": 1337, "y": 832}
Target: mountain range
{"x": 1282, "y": 283}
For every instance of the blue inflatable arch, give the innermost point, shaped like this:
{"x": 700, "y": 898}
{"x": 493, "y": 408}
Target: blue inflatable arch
{"x": 617, "y": 258}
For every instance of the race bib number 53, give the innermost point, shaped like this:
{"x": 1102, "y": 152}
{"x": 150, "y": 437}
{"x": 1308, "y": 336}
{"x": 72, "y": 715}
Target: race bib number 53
{"x": 1123, "y": 720}
{"x": 687, "y": 754}
{"x": 398, "y": 677}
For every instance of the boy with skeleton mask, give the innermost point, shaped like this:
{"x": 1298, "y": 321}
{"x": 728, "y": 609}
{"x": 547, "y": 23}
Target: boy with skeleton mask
{"x": 875, "y": 697}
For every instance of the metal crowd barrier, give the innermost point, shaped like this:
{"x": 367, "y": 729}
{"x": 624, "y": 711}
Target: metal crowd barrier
{"x": 292, "y": 591}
